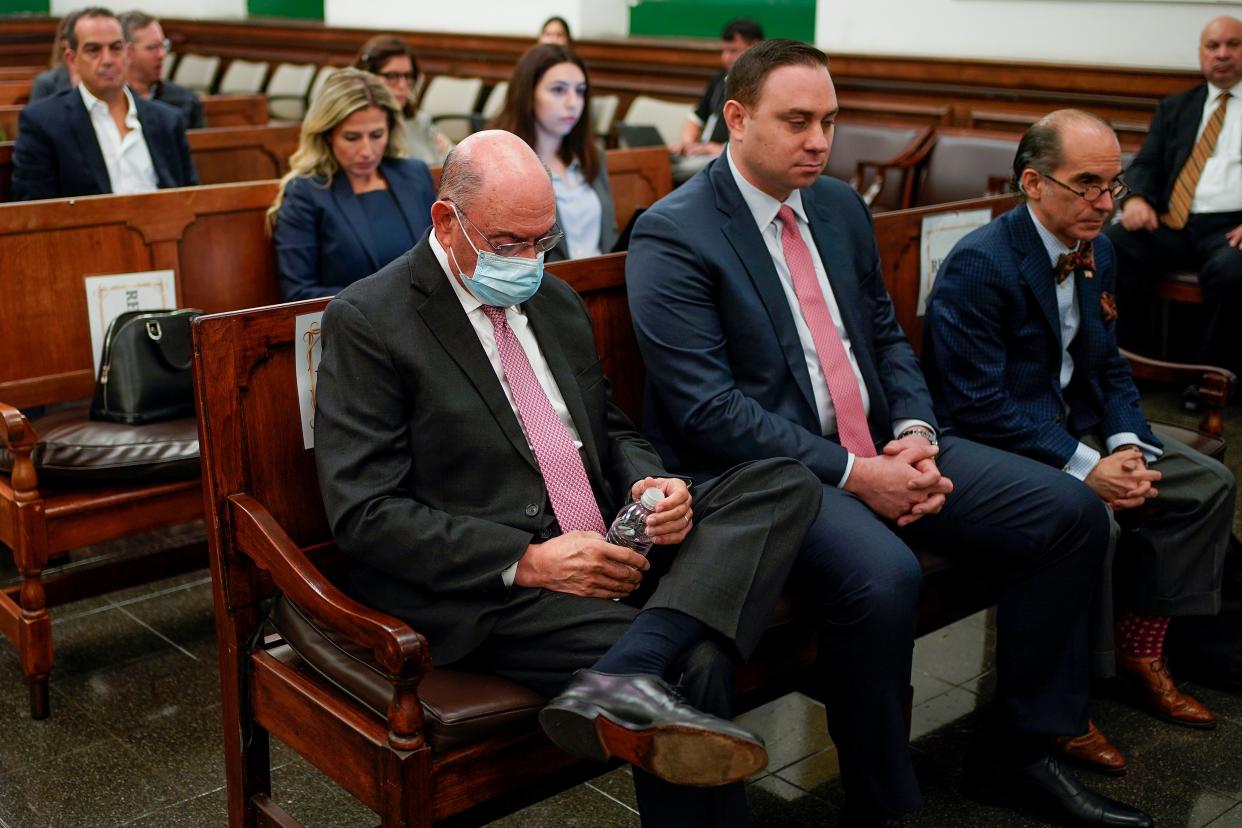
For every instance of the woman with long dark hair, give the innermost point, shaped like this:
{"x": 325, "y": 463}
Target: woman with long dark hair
{"x": 549, "y": 107}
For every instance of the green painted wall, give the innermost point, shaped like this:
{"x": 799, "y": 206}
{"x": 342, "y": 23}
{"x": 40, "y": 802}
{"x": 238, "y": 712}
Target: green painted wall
{"x": 25, "y": 6}
{"x": 705, "y": 18}
{"x": 299, "y": 9}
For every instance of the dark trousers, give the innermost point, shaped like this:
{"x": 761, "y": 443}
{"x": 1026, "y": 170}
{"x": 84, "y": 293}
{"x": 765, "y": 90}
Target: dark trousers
{"x": 1143, "y": 257}
{"x": 749, "y": 523}
{"x": 1046, "y": 531}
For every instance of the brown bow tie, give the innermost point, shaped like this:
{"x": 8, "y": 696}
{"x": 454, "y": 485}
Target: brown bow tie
{"x": 1083, "y": 258}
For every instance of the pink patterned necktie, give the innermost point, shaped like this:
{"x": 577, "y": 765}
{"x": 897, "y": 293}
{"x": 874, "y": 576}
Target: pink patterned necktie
{"x": 564, "y": 476}
{"x": 852, "y": 429}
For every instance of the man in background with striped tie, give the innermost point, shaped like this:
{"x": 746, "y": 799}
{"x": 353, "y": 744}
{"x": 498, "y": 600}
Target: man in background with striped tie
{"x": 1185, "y": 207}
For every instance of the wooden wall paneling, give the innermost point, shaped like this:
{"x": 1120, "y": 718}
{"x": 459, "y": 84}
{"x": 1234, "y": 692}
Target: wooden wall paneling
{"x": 14, "y": 91}
{"x": 639, "y": 178}
{"x": 15, "y": 73}
{"x": 248, "y": 153}
{"x": 26, "y": 41}
{"x": 8, "y": 121}
{"x": 234, "y": 110}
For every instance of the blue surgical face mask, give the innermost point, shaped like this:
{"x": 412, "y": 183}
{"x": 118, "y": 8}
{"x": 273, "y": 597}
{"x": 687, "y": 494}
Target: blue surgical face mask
{"x": 499, "y": 280}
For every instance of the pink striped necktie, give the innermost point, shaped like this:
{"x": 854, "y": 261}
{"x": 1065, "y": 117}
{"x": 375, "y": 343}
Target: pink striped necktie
{"x": 564, "y": 476}
{"x": 852, "y": 428}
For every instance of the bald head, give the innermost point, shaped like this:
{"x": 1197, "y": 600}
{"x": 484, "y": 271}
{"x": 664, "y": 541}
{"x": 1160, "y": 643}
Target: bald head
{"x": 497, "y": 165}
{"x": 1220, "y": 52}
{"x": 1042, "y": 147}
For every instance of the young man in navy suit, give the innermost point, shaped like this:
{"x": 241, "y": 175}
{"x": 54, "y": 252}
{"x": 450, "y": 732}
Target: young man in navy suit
{"x": 1021, "y": 353}
{"x": 98, "y": 137}
{"x": 766, "y": 330}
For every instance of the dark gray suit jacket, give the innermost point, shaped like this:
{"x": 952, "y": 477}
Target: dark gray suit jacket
{"x": 50, "y": 81}
{"x": 181, "y": 98}
{"x": 429, "y": 483}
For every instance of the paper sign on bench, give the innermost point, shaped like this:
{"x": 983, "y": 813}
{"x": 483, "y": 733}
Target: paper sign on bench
{"x": 309, "y": 349}
{"x": 109, "y": 296}
{"x": 940, "y": 232}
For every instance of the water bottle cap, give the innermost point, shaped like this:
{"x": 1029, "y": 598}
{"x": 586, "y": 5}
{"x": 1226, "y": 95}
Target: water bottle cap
{"x": 651, "y": 497}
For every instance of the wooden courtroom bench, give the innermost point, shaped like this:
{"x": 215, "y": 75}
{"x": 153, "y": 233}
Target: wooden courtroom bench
{"x": 221, "y": 155}
{"x": 351, "y": 689}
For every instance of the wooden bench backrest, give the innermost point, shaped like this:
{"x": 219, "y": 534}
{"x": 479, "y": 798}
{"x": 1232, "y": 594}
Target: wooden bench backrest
{"x": 222, "y": 156}
{"x": 218, "y": 111}
{"x": 212, "y": 237}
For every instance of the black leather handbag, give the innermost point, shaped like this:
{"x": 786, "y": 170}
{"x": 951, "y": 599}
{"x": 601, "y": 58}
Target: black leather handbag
{"x": 144, "y": 372}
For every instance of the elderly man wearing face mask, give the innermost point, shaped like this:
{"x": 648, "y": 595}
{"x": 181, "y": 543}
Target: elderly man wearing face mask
{"x": 469, "y": 455}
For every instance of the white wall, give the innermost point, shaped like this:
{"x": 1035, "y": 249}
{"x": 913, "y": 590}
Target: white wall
{"x": 1130, "y": 33}
{"x": 214, "y": 9}
{"x": 587, "y": 18}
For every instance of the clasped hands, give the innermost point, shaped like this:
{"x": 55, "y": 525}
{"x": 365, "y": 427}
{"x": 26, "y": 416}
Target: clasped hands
{"x": 1122, "y": 479}
{"x": 903, "y": 483}
{"x": 583, "y": 563}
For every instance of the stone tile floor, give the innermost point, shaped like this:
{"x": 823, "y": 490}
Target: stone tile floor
{"x": 134, "y": 738}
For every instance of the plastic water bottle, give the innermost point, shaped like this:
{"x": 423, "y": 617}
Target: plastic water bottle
{"x": 629, "y": 529}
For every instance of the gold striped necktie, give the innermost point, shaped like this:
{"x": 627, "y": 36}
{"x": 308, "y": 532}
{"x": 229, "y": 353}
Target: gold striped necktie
{"x": 1188, "y": 178}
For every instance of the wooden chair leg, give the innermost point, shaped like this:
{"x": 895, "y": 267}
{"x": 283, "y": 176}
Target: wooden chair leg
{"x": 408, "y": 798}
{"x": 40, "y": 707}
{"x": 34, "y": 630}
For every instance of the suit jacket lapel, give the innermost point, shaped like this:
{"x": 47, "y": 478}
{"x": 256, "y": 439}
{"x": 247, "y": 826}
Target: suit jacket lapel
{"x": 88, "y": 143}
{"x": 544, "y": 326}
{"x": 1035, "y": 268}
{"x": 442, "y": 313}
{"x": 747, "y": 241}
{"x": 159, "y": 155}
{"x": 350, "y": 207}
{"x": 405, "y": 192}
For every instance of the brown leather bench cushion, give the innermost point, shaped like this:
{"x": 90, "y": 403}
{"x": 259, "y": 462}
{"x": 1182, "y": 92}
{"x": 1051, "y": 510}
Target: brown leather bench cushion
{"x": 461, "y": 708}
{"x": 73, "y": 447}
{"x": 1213, "y": 447}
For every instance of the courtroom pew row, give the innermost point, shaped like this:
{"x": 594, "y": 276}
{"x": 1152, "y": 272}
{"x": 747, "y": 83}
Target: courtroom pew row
{"x": 213, "y": 239}
{"x": 218, "y": 111}
{"x": 965, "y": 92}
{"x": 222, "y": 155}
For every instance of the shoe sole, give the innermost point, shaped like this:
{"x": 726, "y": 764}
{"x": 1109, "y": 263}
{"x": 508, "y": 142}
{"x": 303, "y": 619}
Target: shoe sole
{"x": 677, "y": 753}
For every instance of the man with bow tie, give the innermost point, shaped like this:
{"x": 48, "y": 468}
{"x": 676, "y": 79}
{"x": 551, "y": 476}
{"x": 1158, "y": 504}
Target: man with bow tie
{"x": 1021, "y": 353}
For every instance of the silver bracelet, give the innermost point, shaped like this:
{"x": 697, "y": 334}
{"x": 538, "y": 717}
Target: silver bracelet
{"x": 919, "y": 431}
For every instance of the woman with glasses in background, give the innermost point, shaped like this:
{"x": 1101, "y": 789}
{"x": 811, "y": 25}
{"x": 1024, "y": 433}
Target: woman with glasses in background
{"x": 351, "y": 202}
{"x": 392, "y": 59}
{"x": 549, "y": 107}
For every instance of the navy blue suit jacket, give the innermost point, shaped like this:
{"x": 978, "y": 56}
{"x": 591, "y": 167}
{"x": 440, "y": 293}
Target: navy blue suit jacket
{"x": 323, "y": 239}
{"x": 992, "y": 347}
{"x": 726, "y": 378}
{"x": 58, "y": 155}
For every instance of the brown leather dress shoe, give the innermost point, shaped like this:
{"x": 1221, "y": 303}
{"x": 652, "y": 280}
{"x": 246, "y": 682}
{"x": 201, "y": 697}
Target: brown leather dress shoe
{"x": 1149, "y": 678}
{"x": 1091, "y": 750}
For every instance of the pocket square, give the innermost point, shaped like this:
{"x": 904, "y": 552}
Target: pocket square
{"x": 1108, "y": 306}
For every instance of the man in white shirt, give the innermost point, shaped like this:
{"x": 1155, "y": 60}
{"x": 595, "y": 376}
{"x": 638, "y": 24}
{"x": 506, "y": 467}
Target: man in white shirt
{"x": 1185, "y": 207}
{"x": 98, "y": 137}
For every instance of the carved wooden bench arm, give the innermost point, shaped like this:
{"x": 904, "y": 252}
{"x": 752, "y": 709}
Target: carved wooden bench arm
{"x": 906, "y": 163}
{"x": 401, "y": 652}
{"x": 19, "y": 437}
{"x": 1214, "y": 384}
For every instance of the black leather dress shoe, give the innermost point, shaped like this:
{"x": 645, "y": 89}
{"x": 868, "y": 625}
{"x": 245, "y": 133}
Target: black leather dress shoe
{"x": 642, "y": 720}
{"x": 1049, "y": 789}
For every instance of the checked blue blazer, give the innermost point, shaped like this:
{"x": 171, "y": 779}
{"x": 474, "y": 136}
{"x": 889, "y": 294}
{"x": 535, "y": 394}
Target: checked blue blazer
{"x": 992, "y": 347}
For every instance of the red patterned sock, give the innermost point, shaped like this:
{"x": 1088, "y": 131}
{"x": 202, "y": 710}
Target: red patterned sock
{"x": 1141, "y": 636}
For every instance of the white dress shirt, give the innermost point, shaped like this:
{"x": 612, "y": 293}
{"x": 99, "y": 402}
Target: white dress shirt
{"x": 1220, "y": 184}
{"x": 128, "y": 159}
{"x": 526, "y": 338}
{"x": 579, "y": 211}
{"x": 764, "y": 208}
{"x": 1084, "y": 458}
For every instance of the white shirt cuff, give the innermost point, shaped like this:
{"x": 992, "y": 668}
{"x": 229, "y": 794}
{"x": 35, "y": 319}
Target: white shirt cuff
{"x": 508, "y": 574}
{"x": 1129, "y": 438}
{"x": 901, "y": 425}
{"x": 849, "y": 465}
{"x": 1084, "y": 460}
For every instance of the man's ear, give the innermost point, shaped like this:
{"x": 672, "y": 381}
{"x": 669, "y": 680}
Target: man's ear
{"x": 1032, "y": 183}
{"x": 735, "y": 117}
{"x": 442, "y": 219}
